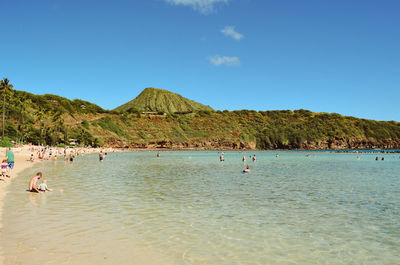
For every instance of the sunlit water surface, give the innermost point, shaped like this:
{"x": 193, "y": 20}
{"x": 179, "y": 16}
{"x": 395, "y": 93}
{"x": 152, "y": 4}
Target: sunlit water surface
{"x": 188, "y": 208}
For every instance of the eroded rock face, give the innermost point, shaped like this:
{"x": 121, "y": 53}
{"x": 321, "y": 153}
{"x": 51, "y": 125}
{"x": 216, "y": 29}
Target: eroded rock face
{"x": 216, "y": 144}
{"x": 354, "y": 143}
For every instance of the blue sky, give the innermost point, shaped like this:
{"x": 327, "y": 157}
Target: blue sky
{"x": 338, "y": 56}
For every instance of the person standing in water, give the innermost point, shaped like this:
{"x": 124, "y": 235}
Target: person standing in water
{"x": 254, "y": 158}
{"x": 221, "y": 157}
{"x": 101, "y": 156}
{"x": 244, "y": 159}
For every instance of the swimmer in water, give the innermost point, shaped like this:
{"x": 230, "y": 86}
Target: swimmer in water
{"x": 247, "y": 170}
{"x": 277, "y": 155}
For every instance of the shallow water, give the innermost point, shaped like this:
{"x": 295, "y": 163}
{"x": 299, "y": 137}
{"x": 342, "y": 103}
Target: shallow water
{"x": 188, "y": 208}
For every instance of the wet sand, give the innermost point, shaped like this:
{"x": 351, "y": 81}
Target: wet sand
{"x": 21, "y": 157}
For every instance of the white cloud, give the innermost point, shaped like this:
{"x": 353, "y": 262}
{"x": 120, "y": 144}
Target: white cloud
{"x": 230, "y": 32}
{"x": 204, "y": 6}
{"x": 225, "y": 60}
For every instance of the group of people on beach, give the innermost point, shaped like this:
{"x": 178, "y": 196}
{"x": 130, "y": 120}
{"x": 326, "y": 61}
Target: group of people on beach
{"x": 46, "y": 153}
{"x": 69, "y": 154}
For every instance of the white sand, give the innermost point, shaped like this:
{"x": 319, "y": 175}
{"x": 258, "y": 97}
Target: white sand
{"x": 21, "y": 157}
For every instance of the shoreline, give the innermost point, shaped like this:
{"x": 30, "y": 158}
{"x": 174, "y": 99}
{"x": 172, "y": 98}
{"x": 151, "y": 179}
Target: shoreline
{"x": 22, "y": 162}
{"x": 21, "y": 158}
{"x": 366, "y": 151}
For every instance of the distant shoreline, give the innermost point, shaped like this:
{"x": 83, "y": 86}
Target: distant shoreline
{"x": 336, "y": 151}
{"x": 387, "y": 151}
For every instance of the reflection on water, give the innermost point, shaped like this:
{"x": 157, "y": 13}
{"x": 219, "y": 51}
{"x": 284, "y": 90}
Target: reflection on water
{"x": 188, "y": 208}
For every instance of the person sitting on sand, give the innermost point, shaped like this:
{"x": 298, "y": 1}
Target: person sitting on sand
{"x": 43, "y": 186}
{"x": 4, "y": 166}
{"x": 32, "y": 159}
{"x": 32, "y": 183}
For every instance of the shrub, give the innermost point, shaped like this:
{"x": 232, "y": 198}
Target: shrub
{"x": 6, "y": 142}
{"x": 85, "y": 124}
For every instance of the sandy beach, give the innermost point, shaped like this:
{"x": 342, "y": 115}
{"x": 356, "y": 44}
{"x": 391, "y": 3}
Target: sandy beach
{"x": 22, "y": 162}
{"x": 21, "y": 157}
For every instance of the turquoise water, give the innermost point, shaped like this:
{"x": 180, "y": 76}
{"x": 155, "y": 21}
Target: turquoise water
{"x": 188, "y": 208}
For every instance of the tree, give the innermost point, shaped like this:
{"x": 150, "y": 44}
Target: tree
{"x": 58, "y": 122}
{"x": 5, "y": 86}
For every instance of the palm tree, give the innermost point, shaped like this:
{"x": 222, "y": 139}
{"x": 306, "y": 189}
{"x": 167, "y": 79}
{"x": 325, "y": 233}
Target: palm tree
{"x": 5, "y": 86}
{"x": 22, "y": 113}
{"x": 58, "y": 121}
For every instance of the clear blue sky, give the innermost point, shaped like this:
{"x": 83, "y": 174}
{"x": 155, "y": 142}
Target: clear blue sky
{"x": 338, "y": 56}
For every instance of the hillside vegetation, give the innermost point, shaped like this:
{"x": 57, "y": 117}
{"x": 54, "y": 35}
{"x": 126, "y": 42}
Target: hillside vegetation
{"x": 55, "y": 120}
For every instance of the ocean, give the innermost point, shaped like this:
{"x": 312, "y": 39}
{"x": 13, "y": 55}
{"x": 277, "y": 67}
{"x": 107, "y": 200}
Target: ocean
{"x": 190, "y": 208}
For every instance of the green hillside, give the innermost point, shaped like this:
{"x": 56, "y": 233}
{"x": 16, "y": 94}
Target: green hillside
{"x": 160, "y": 100}
{"x": 54, "y": 120}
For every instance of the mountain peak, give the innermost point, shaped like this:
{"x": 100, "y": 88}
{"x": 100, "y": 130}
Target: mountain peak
{"x": 161, "y": 100}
